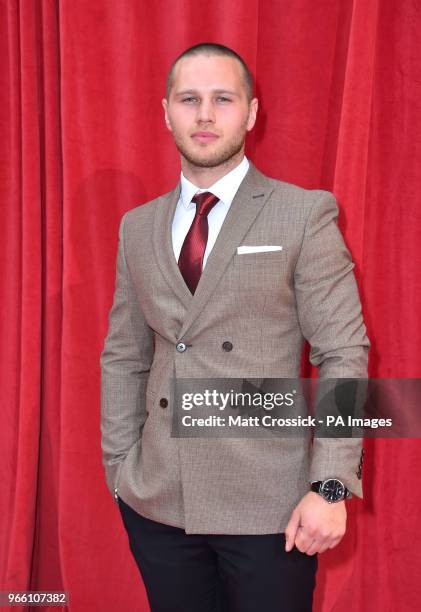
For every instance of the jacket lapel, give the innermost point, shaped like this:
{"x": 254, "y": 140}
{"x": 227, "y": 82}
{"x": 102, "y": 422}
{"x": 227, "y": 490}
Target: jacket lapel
{"x": 162, "y": 245}
{"x": 250, "y": 198}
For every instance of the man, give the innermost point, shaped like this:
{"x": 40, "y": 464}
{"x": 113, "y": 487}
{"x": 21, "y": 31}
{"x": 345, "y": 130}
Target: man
{"x": 221, "y": 523}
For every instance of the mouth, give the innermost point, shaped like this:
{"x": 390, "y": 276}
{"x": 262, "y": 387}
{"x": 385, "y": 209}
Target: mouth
{"x": 204, "y": 136}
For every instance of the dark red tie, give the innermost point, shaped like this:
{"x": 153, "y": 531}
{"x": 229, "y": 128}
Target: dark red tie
{"x": 194, "y": 245}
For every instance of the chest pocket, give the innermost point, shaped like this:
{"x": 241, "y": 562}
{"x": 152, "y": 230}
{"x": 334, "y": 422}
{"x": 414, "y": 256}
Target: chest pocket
{"x": 260, "y": 271}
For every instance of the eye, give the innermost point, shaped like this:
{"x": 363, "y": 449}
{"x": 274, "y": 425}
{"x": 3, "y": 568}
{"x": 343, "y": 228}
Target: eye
{"x": 224, "y": 99}
{"x": 188, "y": 99}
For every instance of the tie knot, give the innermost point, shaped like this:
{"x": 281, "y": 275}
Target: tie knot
{"x": 204, "y": 202}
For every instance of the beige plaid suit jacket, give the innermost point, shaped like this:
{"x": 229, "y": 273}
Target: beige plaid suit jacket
{"x": 265, "y": 304}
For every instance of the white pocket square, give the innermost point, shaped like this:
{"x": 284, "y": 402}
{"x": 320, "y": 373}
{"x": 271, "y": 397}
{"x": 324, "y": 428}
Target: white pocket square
{"x": 258, "y": 249}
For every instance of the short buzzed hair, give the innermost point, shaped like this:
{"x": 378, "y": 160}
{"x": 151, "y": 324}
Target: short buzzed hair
{"x": 209, "y": 48}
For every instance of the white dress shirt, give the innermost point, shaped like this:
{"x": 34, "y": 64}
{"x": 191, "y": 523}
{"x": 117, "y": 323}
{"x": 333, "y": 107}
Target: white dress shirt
{"x": 225, "y": 189}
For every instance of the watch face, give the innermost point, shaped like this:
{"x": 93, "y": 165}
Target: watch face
{"x": 332, "y": 489}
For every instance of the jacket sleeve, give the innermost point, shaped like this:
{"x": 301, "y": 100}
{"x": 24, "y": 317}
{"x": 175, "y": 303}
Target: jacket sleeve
{"x": 330, "y": 316}
{"x": 125, "y": 363}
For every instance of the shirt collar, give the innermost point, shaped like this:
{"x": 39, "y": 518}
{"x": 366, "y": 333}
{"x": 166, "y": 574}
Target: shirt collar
{"x": 224, "y": 188}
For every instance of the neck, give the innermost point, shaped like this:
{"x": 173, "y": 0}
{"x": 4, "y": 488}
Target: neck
{"x": 205, "y": 177}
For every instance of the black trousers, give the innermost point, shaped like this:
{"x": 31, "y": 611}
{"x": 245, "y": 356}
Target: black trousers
{"x": 218, "y": 573}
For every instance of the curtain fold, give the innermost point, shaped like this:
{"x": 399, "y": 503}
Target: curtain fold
{"x": 82, "y": 140}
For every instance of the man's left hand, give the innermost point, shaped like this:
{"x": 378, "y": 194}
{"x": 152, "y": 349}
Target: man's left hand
{"x": 315, "y": 525}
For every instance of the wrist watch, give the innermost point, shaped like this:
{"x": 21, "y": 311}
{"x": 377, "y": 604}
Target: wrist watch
{"x": 332, "y": 490}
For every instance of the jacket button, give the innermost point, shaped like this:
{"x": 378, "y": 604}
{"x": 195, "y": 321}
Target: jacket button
{"x": 181, "y": 347}
{"x": 163, "y": 402}
{"x": 227, "y": 346}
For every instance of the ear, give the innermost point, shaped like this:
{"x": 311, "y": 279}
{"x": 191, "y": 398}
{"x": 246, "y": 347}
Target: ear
{"x": 254, "y": 104}
{"x": 167, "y": 121}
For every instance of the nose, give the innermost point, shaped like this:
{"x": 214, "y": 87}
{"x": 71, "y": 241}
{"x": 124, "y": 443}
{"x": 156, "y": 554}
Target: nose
{"x": 205, "y": 111}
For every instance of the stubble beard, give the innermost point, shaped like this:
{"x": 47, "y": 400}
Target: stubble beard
{"x": 211, "y": 159}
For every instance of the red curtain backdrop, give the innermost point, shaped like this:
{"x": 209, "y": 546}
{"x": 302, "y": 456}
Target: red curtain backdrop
{"x": 82, "y": 140}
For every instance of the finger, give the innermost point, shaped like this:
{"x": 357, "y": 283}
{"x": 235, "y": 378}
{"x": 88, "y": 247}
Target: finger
{"x": 306, "y": 547}
{"x": 335, "y": 542}
{"x": 291, "y": 530}
{"x": 304, "y": 540}
{"x": 315, "y": 547}
{"x": 324, "y": 547}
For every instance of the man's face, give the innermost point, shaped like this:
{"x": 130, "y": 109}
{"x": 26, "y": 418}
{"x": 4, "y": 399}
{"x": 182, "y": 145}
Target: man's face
{"x": 208, "y": 96}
